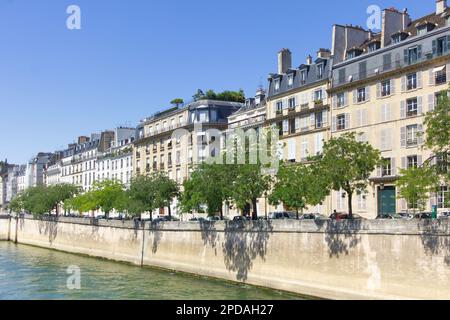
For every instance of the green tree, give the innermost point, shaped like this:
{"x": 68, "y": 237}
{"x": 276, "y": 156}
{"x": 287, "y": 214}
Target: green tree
{"x": 199, "y": 95}
{"x": 298, "y": 186}
{"x": 36, "y": 200}
{"x": 415, "y": 185}
{"x": 165, "y": 189}
{"x": 108, "y": 195}
{"x": 177, "y": 102}
{"x": 142, "y": 195}
{"x": 348, "y": 164}
{"x": 58, "y": 194}
{"x": 16, "y": 205}
{"x": 437, "y": 125}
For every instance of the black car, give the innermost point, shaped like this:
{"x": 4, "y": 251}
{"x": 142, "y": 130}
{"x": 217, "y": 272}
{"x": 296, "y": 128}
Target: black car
{"x": 241, "y": 218}
{"x": 423, "y": 215}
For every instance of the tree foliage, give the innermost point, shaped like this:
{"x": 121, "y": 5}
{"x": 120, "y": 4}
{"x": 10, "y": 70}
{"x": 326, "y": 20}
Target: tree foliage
{"x": 177, "y": 102}
{"x": 348, "y": 164}
{"x": 298, "y": 186}
{"x": 437, "y": 125}
{"x": 231, "y": 96}
{"x": 415, "y": 186}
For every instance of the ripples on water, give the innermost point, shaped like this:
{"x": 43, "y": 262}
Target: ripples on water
{"x": 32, "y": 273}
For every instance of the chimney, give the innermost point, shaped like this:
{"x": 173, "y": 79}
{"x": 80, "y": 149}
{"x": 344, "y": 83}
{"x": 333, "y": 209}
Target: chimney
{"x": 284, "y": 61}
{"x": 323, "y": 53}
{"x": 309, "y": 60}
{"x": 260, "y": 96}
{"x": 441, "y": 6}
{"x": 83, "y": 139}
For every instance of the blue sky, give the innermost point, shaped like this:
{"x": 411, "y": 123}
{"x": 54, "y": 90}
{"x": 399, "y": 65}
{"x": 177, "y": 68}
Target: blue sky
{"x": 132, "y": 57}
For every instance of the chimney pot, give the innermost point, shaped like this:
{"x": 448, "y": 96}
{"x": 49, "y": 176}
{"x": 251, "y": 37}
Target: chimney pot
{"x": 441, "y": 6}
{"x": 284, "y": 61}
{"x": 309, "y": 60}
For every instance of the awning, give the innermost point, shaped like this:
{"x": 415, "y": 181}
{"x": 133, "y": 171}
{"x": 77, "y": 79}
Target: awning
{"x": 438, "y": 69}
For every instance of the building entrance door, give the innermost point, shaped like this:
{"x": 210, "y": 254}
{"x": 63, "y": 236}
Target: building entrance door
{"x": 387, "y": 200}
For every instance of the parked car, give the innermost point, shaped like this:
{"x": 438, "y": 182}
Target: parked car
{"x": 444, "y": 215}
{"x": 312, "y": 216}
{"x": 197, "y": 219}
{"x": 241, "y": 218}
{"x": 282, "y": 215}
{"x": 423, "y": 215}
{"x": 345, "y": 216}
{"x": 385, "y": 216}
{"x": 213, "y": 218}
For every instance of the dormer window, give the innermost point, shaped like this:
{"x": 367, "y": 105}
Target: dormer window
{"x": 353, "y": 53}
{"x": 320, "y": 71}
{"x": 399, "y": 37}
{"x": 303, "y": 76}
{"x": 277, "y": 85}
{"x": 421, "y": 30}
{"x": 290, "y": 80}
{"x": 374, "y": 46}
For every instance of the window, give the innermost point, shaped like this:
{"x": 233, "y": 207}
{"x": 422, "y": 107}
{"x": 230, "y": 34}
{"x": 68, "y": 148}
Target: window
{"x": 292, "y": 103}
{"x": 442, "y": 163}
{"x": 374, "y": 46}
{"x": 422, "y": 30}
{"x": 277, "y": 85}
{"x": 303, "y": 77}
{"x": 412, "y": 55}
{"x": 386, "y": 168}
{"x": 341, "y": 100}
{"x": 443, "y": 197}
{"x": 386, "y": 88}
{"x": 412, "y": 135}
{"x": 319, "y": 71}
{"x": 411, "y": 107}
{"x": 290, "y": 80}
{"x": 441, "y": 76}
{"x": 362, "y": 202}
{"x": 319, "y": 120}
{"x": 411, "y": 81}
{"x": 361, "y": 95}
{"x": 397, "y": 38}
{"x": 340, "y": 122}
{"x": 412, "y": 162}
{"x": 279, "y": 106}
{"x": 440, "y": 46}
{"x": 318, "y": 96}
{"x": 292, "y": 126}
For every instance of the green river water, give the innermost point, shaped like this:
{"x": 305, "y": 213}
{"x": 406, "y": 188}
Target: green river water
{"x": 29, "y": 273}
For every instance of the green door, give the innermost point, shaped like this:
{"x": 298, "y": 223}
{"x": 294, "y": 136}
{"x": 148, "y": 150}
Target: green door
{"x": 387, "y": 201}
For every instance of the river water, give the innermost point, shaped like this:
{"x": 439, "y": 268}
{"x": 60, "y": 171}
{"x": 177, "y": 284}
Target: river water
{"x": 29, "y": 273}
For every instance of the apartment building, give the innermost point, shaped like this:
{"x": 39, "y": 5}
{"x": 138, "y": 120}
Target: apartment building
{"x": 79, "y": 161}
{"x": 174, "y": 140}
{"x": 382, "y": 86}
{"x": 52, "y": 171}
{"x": 117, "y": 162}
{"x": 298, "y": 105}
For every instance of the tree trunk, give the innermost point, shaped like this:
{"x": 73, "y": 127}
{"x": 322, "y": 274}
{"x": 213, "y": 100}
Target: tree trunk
{"x": 255, "y": 209}
{"x": 298, "y": 215}
{"x": 221, "y": 213}
{"x": 170, "y": 211}
{"x": 350, "y": 207}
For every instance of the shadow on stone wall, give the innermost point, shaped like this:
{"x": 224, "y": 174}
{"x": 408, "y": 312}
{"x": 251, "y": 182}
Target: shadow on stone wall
{"x": 435, "y": 238}
{"x": 156, "y": 230}
{"x": 209, "y": 234}
{"x": 243, "y": 243}
{"x": 341, "y": 236}
{"x": 49, "y": 227}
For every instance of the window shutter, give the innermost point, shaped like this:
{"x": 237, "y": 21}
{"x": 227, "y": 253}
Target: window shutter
{"x": 431, "y": 78}
{"x": 430, "y": 102}
{"x": 291, "y": 150}
{"x": 334, "y": 124}
{"x": 297, "y": 99}
{"x": 334, "y": 102}
{"x": 393, "y": 167}
{"x": 368, "y": 93}
{"x": 405, "y": 56}
{"x": 419, "y": 161}
{"x": 379, "y": 171}
{"x": 419, "y": 105}
{"x": 297, "y": 123}
{"x": 325, "y": 95}
{"x": 403, "y": 137}
{"x": 355, "y": 96}
{"x": 378, "y": 90}
{"x": 419, "y": 79}
{"x": 313, "y": 97}
{"x": 392, "y": 86}
{"x": 285, "y": 126}
{"x": 448, "y": 43}
{"x": 447, "y": 69}
{"x": 403, "y": 163}
{"x": 347, "y": 121}
{"x": 402, "y": 109}
{"x": 419, "y": 52}
{"x": 420, "y": 134}
{"x": 325, "y": 116}
{"x": 403, "y": 205}
{"x": 312, "y": 120}
{"x": 434, "y": 45}
{"x": 345, "y": 98}
{"x": 404, "y": 84}
{"x": 285, "y": 103}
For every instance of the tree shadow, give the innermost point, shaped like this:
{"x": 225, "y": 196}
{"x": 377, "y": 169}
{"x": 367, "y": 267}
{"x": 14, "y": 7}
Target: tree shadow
{"x": 155, "y": 229}
{"x": 209, "y": 234}
{"x": 435, "y": 238}
{"x": 341, "y": 236}
{"x": 49, "y": 227}
{"x": 243, "y": 243}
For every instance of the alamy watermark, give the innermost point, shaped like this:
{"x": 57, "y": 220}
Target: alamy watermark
{"x": 374, "y": 20}
{"x": 74, "y": 279}
{"x": 73, "y": 21}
